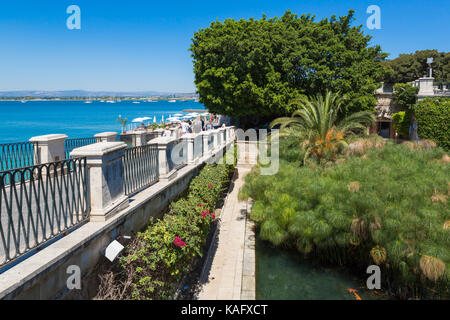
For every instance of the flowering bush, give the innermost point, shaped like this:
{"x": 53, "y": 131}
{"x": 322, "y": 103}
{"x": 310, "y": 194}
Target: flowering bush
{"x": 155, "y": 262}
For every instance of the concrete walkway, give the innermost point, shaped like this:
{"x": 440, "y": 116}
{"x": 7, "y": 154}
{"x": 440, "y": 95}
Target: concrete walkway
{"x": 229, "y": 274}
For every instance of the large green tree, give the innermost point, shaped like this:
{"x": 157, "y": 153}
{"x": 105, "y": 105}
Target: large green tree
{"x": 410, "y": 67}
{"x": 254, "y": 68}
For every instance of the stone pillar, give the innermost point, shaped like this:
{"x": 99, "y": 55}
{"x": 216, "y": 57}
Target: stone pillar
{"x": 189, "y": 140}
{"x": 158, "y": 132}
{"x": 223, "y": 136}
{"x": 105, "y": 178}
{"x": 227, "y": 134}
{"x": 215, "y": 133}
{"x": 426, "y": 87}
{"x": 232, "y": 132}
{"x": 205, "y": 135}
{"x": 166, "y": 167}
{"x": 175, "y": 133}
{"x": 139, "y": 138}
{"x": 106, "y": 136}
{"x": 50, "y": 148}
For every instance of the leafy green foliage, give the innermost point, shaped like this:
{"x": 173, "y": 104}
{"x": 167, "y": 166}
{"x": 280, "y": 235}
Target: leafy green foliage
{"x": 402, "y": 121}
{"x": 122, "y": 121}
{"x": 387, "y": 207}
{"x": 410, "y": 67}
{"x": 405, "y": 95}
{"x": 316, "y": 122}
{"x": 254, "y": 68}
{"x": 155, "y": 261}
{"x": 433, "y": 120}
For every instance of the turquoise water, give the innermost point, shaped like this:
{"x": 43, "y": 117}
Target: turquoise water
{"x": 21, "y": 121}
{"x": 285, "y": 275}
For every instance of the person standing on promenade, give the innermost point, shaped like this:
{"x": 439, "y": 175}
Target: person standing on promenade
{"x": 209, "y": 125}
{"x": 167, "y": 132}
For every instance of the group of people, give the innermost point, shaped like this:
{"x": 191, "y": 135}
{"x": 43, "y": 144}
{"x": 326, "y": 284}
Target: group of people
{"x": 198, "y": 125}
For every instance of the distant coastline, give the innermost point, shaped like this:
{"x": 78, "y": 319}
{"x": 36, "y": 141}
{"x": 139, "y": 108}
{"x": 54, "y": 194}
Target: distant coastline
{"x": 28, "y": 98}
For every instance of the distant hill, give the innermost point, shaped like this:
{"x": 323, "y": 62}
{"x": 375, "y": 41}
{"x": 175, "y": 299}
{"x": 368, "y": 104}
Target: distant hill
{"x": 83, "y": 93}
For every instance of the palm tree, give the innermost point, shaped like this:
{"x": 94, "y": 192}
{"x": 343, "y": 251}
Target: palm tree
{"x": 316, "y": 124}
{"x": 123, "y": 122}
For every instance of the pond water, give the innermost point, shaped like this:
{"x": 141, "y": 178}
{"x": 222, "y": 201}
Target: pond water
{"x": 285, "y": 275}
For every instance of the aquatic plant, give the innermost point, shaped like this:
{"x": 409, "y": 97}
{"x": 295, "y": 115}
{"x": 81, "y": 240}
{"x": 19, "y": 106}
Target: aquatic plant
{"x": 388, "y": 208}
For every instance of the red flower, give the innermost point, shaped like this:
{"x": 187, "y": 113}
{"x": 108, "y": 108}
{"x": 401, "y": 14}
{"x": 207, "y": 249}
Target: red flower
{"x": 213, "y": 216}
{"x": 177, "y": 241}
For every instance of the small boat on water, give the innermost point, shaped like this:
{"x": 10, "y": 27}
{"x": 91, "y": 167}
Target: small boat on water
{"x": 136, "y": 102}
{"x": 110, "y": 101}
{"x": 23, "y": 101}
{"x": 173, "y": 100}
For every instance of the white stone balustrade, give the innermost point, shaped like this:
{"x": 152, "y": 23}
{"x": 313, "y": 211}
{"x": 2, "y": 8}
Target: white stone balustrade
{"x": 106, "y": 136}
{"x": 166, "y": 173}
{"x": 139, "y": 138}
{"x": 105, "y": 178}
{"x": 215, "y": 134}
{"x": 50, "y": 148}
{"x": 223, "y": 140}
{"x": 189, "y": 140}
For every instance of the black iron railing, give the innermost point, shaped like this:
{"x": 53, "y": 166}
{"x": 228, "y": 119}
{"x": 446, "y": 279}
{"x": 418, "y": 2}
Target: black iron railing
{"x": 39, "y": 203}
{"x": 71, "y": 144}
{"x": 140, "y": 167}
{"x": 16, "y": 155}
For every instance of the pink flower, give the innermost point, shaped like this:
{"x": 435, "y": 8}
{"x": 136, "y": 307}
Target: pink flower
{"x": 213, "y": 216}
{"x": 209, "y": 186}
{"x": 177, "y": 241}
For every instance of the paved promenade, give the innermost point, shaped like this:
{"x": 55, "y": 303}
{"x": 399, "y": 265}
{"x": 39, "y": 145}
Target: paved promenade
{"x": 229, "y": 272}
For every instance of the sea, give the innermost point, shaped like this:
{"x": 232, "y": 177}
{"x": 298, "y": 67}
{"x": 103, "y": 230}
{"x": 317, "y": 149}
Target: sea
{"x": 77, "y": 119}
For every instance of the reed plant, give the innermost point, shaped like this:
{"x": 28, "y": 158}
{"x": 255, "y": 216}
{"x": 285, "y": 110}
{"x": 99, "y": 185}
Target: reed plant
{"x": 388, "y": 206}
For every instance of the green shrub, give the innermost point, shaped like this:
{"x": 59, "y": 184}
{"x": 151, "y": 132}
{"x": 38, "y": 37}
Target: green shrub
{"x": 405, "y": 95}
{"x": 155, "y": 262}
{"x": 433, "y": 120}
{"x": 388, "y": 207}
{"x": 402, "y": 121}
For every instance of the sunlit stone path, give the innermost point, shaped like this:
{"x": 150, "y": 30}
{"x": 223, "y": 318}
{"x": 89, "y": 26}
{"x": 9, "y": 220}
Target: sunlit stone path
{"x": 229, "y": 272}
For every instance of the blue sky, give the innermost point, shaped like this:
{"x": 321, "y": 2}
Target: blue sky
{"x": 143, "y": 45}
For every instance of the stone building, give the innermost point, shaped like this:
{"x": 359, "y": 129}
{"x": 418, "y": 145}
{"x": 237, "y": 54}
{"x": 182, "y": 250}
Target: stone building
{"x": 386, "y": 106}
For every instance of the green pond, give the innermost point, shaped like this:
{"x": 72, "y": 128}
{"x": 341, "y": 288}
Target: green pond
{"x": 285, "y": 275}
